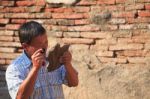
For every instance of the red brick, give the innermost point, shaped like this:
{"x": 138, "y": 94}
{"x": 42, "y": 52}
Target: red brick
{"x": 132, "y": 20}
{"x": 3, "y": 10}
{"x": 138, "y": 20}
{"x": 143, "y": 1}
{"x": 43, "y": 15}
{"x": 7, "y": 50}
{"x": 9, "y": 55}
{"x": 15, "y": 9}
{"x": 7, "y": 3}
{"x": 137, "y": 39}
{"x": 55, "y": 34}
{"x": 77, "y": 41}
{"x": 82, "y": 22}
{"x": 12, "y": 26}
{"x": 20, "y": 21}
{"x": 9, "y": 44}
{"x": 109, "y": 27}
{"x": 125, "y": 40}
{"x": 109, "y": 41}
{"x": 106, "y": 2}
{"x": 141, "y": 32}
{"x": 71, "y": 34}
{"x": 16, "y": 39}
{"x": 7, "y": 33}
{"x": 51, "y": 22}
{"x": 120, "y": 1}
{"x": 141, "y": 26}
{"x": 67, "y": 16}
{"x": 20, "y": 50}
{"x": 6, "y": 38}
{"x": 86, "y": 15}
{"x": 147, "y": 46}
{"x": 59, "y": 10}
{"x": 25, "y": 3}
{"x": 95, "y": 35}
{"x": 96, "y": 8}
{"x": 8, "y": 61}
{"x": 86, "y": 3}
{"x": 79, "y": 47}
{"x": 2, "y": 61}
{"x": 117, "y": 21}
{"x": 122, "y": 33}
{"x": 64, "y": 22}
{"x": 147, "y": 6}
{"x": 19, "y": 15}
{"x": 141, "y": 39}
{"x": 4, "y": 21}
{"x": 109, "y": 8}
{"x": 130, "y": 14}
{"x": 40, "y": 2}
{"x": 1, "y": 15}
{"x": 135, "y": 7}
{"x": 148, "y": 54}
{"x": 113, "y": 8}
{"x": 133, "y": 53}
{"x": 144, "y": 13}
{"x": 137, "y": 60}
{"x": 126, "y": 47}
{"x": 111, "y": 60}
{"x": 33, "y": 9}
{"x": 49, "y": 10}
{"x": 59, "y": 28}
{"x": 83, "y": 28}
{"x": 15, "y": 33}
{"x": 98, "y": 47}
{"x": 49, "y": 27}
{"x": 81, "y": 9}
{"x": 126, "y": 27}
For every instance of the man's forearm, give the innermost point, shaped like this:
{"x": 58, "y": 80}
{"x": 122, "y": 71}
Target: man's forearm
{"x": 71, "y": 75}
{"x": 27, "y": 86}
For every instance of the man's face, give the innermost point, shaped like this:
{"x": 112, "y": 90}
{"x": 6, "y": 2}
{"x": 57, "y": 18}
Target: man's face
{"x": 38, "y": 42}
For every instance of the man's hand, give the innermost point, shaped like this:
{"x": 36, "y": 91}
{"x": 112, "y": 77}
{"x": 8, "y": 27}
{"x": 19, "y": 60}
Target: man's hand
{"x": 71, "y": 73}
{"x": 37, "y": 59}
{"x": 66, "y": 58}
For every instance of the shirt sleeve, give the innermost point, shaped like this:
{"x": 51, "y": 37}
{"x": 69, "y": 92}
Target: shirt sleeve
{"x": 14, "y": 78}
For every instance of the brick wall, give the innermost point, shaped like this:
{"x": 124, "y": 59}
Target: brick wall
{"x": 118, "y": 31}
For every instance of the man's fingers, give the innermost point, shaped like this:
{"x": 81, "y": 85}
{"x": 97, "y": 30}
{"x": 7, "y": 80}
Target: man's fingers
{"x": 38, "y": 54}
{"x": 38, "y": 51}
{"x": 39, "y": 59}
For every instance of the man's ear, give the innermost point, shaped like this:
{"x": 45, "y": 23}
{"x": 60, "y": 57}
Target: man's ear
{"x": 24, "y": 46}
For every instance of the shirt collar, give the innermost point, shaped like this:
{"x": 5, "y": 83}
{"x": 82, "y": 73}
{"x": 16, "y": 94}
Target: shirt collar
{"x": 27, "y": 61}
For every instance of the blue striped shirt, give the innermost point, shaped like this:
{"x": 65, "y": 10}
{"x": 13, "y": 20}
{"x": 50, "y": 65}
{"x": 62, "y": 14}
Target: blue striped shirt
{"x": 48, "y": 85}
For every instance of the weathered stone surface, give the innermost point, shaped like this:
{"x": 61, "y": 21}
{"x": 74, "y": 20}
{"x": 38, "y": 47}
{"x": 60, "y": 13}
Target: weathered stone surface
{"x": 111, "y": 82}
